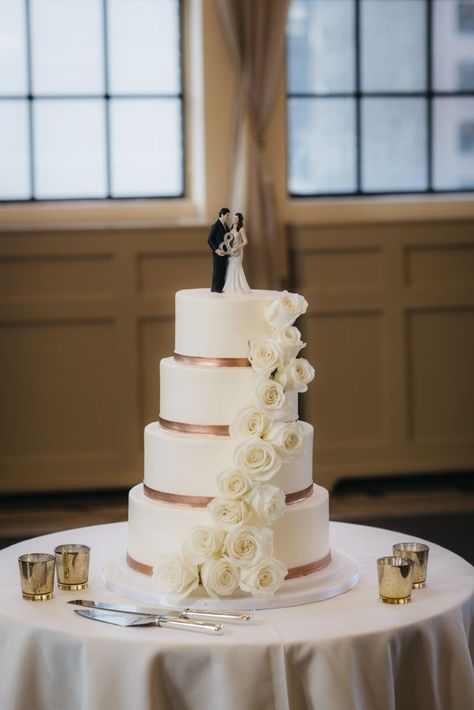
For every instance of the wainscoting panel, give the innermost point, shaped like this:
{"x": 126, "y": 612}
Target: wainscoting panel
{"x": 341, "y": 269}
{"x": 441, "y": 382}
{"x": 439, "y": 265}
{"x": 339, "y": 344}
{"x": 58, "y": 400}
{"x": 85, "y": 316}
{"x": 391, "y": 332}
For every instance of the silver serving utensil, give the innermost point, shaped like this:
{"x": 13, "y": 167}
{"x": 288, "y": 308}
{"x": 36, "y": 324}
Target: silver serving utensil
{"x": 198, "y": 614}
{"x": 119, "y": 619}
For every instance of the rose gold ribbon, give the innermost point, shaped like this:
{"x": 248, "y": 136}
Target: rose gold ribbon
{"x": 192, "y": 501}
{"x": 212, "y": 361}
{"x": 311, "y": 567}
{"x": 202, "y": 501}
{"x": 183, "y": 428}
{"x": 293, "y": 572}
{"x": 299, "y": 496}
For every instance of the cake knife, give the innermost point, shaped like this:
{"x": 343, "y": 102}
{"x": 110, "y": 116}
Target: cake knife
{"x": 198, "y": 614}
{"x": 119, "y": 619}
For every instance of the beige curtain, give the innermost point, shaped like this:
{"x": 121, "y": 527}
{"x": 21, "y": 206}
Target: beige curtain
{"x": 254, "y": 32}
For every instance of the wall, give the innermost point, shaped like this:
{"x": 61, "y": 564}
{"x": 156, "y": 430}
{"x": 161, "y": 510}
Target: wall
{"x": 391, "y": 329}
{"x": 86, "y": 312}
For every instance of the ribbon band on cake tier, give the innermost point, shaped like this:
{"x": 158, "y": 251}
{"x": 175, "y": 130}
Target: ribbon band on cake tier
{"x": 293, "y": 572}
{"x": 212, "y": 361}
{"x": 203, "y": 501}
{"x": 183, "y": 428}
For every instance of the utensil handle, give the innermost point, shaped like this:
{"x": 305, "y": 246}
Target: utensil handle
{"x": 241, "y": 616}
{"x": 189, "y": 625}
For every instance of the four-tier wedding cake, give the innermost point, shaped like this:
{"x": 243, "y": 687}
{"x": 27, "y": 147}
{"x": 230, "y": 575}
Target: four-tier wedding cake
{"x": 228, "y": 500}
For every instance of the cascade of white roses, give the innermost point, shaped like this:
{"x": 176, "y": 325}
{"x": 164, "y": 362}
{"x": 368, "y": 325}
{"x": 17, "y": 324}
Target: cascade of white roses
{"x": 237, "y": 550}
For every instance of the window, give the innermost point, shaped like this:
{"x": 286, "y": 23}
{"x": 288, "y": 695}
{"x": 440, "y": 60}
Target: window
{"x": 380, "y": 96}
{"x": 91, "y": 102}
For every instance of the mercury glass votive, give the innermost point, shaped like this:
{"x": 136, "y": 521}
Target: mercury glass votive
{"x": 72, "y": 563}
{"x": 37, "y": 576}
{"x": 418, "y": 552}
{"x": 395, "y": 575}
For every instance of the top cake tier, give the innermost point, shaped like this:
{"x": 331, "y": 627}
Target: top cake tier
{"x": 219, "y": 325}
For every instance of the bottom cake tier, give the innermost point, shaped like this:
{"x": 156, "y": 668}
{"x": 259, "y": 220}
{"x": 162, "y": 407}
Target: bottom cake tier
{"x": 155, "y": 528}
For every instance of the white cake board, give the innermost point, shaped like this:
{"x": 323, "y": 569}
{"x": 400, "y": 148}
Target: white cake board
{"x": 340, "y": 575}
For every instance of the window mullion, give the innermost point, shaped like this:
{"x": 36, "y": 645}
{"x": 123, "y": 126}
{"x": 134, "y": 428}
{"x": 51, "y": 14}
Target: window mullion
{"x": 430, "y": 95}
{"x": 30, "y": 98}
{"x": 358, "y": 106}
{"x": 107, "y": 100}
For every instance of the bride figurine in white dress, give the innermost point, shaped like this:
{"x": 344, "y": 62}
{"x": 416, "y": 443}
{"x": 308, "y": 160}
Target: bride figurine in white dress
{"x": 235, "y": 280}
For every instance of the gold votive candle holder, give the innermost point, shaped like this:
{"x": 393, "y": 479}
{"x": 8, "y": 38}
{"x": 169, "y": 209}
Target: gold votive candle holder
{"x": 418, "y": 552}
{"x": 72, "y": 565}
{"x": 37, "y": 576}
{"x": 395, "y": 575}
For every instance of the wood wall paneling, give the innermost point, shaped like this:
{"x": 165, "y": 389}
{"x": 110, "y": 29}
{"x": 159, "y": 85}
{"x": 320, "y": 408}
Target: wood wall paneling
{"x": 86, "y": 315}
{"x": 390, "y": 330}
{"x": 441, "y": 383}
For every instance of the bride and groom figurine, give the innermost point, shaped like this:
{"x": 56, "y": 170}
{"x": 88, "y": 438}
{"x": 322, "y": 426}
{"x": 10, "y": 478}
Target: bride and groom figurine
{"x": 227, "y": 240}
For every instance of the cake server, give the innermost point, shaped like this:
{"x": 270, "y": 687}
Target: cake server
{"x": 197, "y": 614}
{"x": 168, "y": 622}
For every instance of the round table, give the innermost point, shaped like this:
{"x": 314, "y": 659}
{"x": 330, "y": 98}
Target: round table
{"x": 347, "y": 652}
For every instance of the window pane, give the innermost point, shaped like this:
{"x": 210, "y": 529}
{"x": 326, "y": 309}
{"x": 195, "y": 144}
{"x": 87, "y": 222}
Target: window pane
{"x": 69, "y": 148}
{"x": 321, "y": 146}
{"x": 67, "y": 46}
{"x": 144, "y": 52}
{"x": 146, "y": 147}
{"x": 453, "y": 130}
{"x": 320, "y": 35}
{"x": 394, "y": 144}
{"x": 453, "y": 47}
{"x": 13, "y": 66}
{"x": 393, "y": 44}
{"x": 14, "y": 150}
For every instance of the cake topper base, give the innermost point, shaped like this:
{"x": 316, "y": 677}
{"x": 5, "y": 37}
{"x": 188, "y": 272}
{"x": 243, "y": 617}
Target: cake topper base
{"x": 340, "y": 575}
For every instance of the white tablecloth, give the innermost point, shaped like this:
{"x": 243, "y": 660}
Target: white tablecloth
{"x": 348, "y": 652}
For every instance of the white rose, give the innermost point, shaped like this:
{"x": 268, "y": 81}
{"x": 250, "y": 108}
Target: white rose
{"x": 220, "y": 577}
{"x": 290, "y": 341}
{"x": 285, "y": 309}
{"x": 288, "y": 439}
{"x": 202, "y": 543}
{"x": 264, "y": 578}
{"x": 271, "y": 396}
{"x": 234, "y": 483}
{"x": 247, "y": 545}
{"x": 265, "y": 356}
{"x": 258, "y": 458}
{"x": 296, "y": 375}
{"x": 176, "y": 575}
{"x": 267, "y": 502}
{"x": 227, "y": 513}
{"x": 251, "y": 421}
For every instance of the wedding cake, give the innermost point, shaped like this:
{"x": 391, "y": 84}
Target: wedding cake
{"x": 228, "y": 505}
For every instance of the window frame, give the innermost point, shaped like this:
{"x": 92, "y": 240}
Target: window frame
{"x": 106, "y": 97}
{"x": 358, "y": 95}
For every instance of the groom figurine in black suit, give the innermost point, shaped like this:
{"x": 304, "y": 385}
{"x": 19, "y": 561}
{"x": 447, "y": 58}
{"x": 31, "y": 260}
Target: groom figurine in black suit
{"x": 219, "y": 259}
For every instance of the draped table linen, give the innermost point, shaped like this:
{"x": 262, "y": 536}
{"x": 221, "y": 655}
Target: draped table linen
{"x": 348, "y": 652}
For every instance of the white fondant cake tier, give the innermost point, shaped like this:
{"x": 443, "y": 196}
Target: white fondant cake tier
{"x": 188, "y": 464}
{"x": 219, "y": 325}
{"x": 203, "y": 387}
{"x": 196, "y": 394}
{"x": 156, "y": 529}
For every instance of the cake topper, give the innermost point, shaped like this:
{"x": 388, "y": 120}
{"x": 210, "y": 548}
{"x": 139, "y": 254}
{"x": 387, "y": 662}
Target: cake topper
{"x": 227, "y": 239}
{"x": 215, "y": 238}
